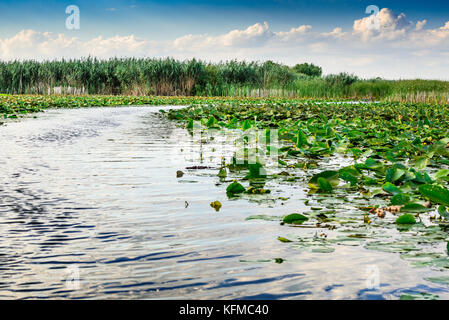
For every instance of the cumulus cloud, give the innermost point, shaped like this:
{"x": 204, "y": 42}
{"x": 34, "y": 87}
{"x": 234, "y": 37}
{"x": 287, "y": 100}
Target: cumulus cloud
{"x": 294, "y": 34}
{"x": 384, "y": 44}
{"x": 337, "y": 33}
{"x": 253, "y": 35}
{"x": 30, "y": 44}
{"x": 420, "y": 25}
{"x": 384, "y": 25}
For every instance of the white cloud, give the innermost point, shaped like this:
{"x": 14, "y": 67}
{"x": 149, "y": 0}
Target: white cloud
{"x": 398, "y": 48}
{"x": 384, "y": 25}
{"x": 294, "y": 34}
{"x": 420, "y": 25}
{"x": 337, "y": 33}
{"x": 253, "y": 35}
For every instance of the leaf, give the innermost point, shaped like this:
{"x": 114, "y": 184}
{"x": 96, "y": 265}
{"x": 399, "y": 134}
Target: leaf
{"x": 324, "y": 185}
{"x": 179, "y": 174}
{"x": 414, "y": 207}
{"x": 391, "y": 188}
{"x": 285, "y": 240}
{"x": 282, "y": 163}
{"x": 295, "y": 218}
{"x": 435, "y": 193}
{"x": 399, "y": 199}
{"x": 264, "y": 217}
{"x": 349, "y": 174}
{"x": 190, "y": 124}
{"x": 440, "y": 280}
{"x": 372, "y": 164}
{"x": 256, "y": 170}
{"x": 330, "y": 176}
{"x": 211, "y": 122}
{"x": 442, "y": 212}
{"x": 406, "y": 219}
{"x": 222, "y": 173}
{"x": 216, "y": 205}
{"x": 235, "y": 188}
{"x": 346, "y": 176}
{"x": 246, "y": 125}
{"x": 301, "y": 139}
{"x": 254, "y": 190}
{"x": 441, "y": 174}
{"x": 421, "y": 163}
{"x": 419, "y": 296}
{"x": 394, "y": 174}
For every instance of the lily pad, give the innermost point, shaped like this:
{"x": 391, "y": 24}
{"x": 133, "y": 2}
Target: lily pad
{"x": 400, "y": 199}
{"x": 235, "y": 188}
{"x": 331, "y": 176}
{"x": 216, "y": 205}
{"x": 295, "y": 218}
{"x": 285, "y": 240}
{"x": 435, "y": 194}
{"x": 324, "y": 185}
{"x": 414, "y": 207}
{"x": 406, "y": 219}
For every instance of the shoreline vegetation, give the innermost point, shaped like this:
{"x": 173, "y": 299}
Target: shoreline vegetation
{"x": 17, "y": 106}
{"x": 195, "y": 78}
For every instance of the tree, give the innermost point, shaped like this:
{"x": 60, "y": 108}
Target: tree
{"x": 308, "y": 69}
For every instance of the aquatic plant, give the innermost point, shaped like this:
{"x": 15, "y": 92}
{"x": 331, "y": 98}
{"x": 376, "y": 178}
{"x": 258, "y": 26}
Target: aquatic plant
{"x": 391, "y": 194}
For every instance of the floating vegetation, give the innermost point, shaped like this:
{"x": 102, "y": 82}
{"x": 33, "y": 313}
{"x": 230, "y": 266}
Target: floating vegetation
{"x": 376, "y": 174}
{"x": 216, "y": 205}
{"x": 14, "y": 106}
{"x": 406, "y": 219}
{"x": 295, "y": 218}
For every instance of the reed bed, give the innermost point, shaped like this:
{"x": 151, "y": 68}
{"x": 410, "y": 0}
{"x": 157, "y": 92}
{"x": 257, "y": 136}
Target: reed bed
{"x": 170, "y": 77}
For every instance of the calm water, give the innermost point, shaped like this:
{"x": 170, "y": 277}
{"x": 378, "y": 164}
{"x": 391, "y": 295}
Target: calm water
{"x": 94, "y": 193}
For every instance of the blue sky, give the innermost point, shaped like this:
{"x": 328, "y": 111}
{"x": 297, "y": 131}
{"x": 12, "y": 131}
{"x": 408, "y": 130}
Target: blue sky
{"x": 412, "y": 39}
{"x": 160, "y": 20}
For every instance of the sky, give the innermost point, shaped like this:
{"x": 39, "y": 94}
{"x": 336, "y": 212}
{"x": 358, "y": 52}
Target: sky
{"x": 396, "y": 39}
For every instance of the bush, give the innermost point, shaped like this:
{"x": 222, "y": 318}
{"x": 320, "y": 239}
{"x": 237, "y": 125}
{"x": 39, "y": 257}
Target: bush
{"x": 308, "y": 69}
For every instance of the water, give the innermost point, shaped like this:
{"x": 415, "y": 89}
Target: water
{"x": 92, "y": 194}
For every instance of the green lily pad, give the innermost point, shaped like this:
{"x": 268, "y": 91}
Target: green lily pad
{"x": 421, "y": 163}
{"x": 285, "y": 240}
{"x": 324, "y": 185}
{"x": 295, "y": 218}
{"x": 330, "y": 176}
{"x": 235, "y": 188}
{"x": 443, "y": 212}
{"x": 435, "y": 194}
{"x": 406, "y": 219}
{"x": 441, "y": 174}
{"x": 414, "y": 207}
{"x": 419, "y": 296}
{"x": 399, "y": 199}
{"x": 391, "y": 188}
{"x": 440, "y": 280}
